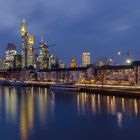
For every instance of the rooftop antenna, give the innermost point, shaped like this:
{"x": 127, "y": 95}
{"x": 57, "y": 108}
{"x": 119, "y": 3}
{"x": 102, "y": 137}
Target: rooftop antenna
{"x": 23, "y": 20}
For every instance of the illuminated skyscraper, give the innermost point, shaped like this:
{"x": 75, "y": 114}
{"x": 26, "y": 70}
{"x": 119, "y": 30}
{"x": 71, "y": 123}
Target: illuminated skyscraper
{"x": 10, "y": 51}
{"x": 85, "y": 58}
{"x": 30, "y": 51}
{"x": 24, "y": 36}
{"x": 43, "y": 55}
{"x": 9, "y": 55}
{"x": 17, "y": 61}
{"x": 27, "y": 47}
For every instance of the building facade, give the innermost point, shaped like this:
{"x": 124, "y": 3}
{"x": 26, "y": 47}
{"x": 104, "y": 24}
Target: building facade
{"x": 115, "y": 75}
{"x": 24, "y": 36}
{"x": 30, "y": 51}
{"x": 17, "y": 61}
{"x": 43, "y": 58}
{"x": 2, "y": 64}
{"x": 65, "y": 75}
{"x": 27, "y": 47}
{"x": 122, "y": 75}
{"x": 9, "y": 55}
{"x": 85, "y": 59}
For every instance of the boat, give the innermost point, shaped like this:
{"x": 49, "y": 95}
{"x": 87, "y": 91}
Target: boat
{"x": 65, "y": 87}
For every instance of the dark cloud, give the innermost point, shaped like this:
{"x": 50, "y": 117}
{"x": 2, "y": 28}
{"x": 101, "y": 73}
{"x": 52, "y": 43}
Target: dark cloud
{"x": 99, "y": 26}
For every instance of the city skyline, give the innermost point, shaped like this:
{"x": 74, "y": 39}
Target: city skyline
{"x": 90, "y": 26}
{"x": 69, "y": 69}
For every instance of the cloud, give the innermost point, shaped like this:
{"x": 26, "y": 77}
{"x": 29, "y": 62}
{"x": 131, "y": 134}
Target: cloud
{"x": 81, "y": 24}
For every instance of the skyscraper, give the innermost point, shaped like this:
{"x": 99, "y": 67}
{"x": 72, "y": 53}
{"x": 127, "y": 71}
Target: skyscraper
{"x": 9, "y": 55}
{"x": 43, "y": 55}
{"x": 27, "y": 47}
{"x": 85, "y": 59}
{"x": 17, "y": 61}
{"x": 30, "y": 51}
{"x": 24, "y": 36}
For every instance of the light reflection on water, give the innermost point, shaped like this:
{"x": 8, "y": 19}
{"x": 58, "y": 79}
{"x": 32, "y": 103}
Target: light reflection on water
{"x": 88, "y": 104}
{"x": 10, "y": 104}
{"x": 109, "y": 105}
{"x": 28, "y": 107}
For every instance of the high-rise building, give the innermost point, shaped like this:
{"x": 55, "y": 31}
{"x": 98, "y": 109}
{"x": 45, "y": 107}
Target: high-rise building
{"x": 9, "y": 55}
{"x": 44, "y": 55}
{"x": 2, "y": 63}
{"x": 36, "y": 61}
{"x": 24, "y": 44}
{"x": 10, "y": 51}
{"x": 61, "y": 64}
{"x": 27, "y": 47}
{"x": 85, "y": 58}
{"x": 30, "y": 51}
{"x": 17, "y": 61}
{"x": 54, "y": 63}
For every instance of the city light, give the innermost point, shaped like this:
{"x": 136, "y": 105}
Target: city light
{"x": 128, "y": 61}
{"x": 110, "y": 60}
{"x": 49, "y": 68}
{"x": 119, "y": 53}
{"x": 72, "y": 72}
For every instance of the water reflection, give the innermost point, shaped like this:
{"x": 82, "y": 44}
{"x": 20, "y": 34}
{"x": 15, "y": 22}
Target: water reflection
{"x": 110, "y": 105}
{"x": 29, "y": 101}
{"x": 32, "y": 107}
{"x": 24, "y": 104}
{"x": 27, "y": 113}
{"x": 10, "y": 104}
{"x": 42, "y": 103}
{"x": 119, "y": 119}
{"x": 95, "y": 104}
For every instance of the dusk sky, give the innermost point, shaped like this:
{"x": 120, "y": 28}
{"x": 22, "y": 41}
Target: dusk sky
{"x": 101, "y": 27}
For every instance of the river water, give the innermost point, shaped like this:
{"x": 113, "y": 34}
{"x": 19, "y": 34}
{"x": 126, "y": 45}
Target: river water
{"x": 31, "y": 113}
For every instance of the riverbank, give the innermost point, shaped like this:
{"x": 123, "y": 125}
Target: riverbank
{"x": 131, "y": 91}
{"x": 26, "y": 83}
{"x": 105, "y": 89}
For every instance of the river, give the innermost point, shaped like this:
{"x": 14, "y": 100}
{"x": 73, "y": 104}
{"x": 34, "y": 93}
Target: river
{"x": 32, "y": 113}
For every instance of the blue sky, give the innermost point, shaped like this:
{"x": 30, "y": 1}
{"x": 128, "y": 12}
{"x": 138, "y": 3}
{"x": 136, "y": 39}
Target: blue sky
{"x": 101, "y": 27}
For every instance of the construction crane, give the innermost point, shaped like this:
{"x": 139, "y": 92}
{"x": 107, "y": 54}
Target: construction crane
{"x": 128, "y": 53}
